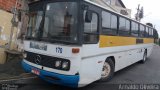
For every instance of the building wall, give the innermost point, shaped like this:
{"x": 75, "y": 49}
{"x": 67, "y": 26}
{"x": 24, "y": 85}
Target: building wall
{"x": 119, "y": 9}
{"x": 113, "y": 2}
{"x": 7, "y": 5}
{"x": 113, "y": 6}
{"x": 101, "y": 2}
{"x": 5, "y": 27}
{"x": 117, "y": 3}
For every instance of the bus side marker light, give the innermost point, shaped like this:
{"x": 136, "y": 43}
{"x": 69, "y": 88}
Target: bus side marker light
{"x": 75, "y": 50}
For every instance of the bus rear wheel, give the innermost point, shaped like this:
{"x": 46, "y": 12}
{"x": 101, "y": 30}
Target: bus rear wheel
{"x": 107, "y": 70}
{"x": 144, "y": 57}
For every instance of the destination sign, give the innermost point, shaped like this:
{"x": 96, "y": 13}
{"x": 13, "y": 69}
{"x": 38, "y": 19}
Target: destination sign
{"x": 39, "y": 46}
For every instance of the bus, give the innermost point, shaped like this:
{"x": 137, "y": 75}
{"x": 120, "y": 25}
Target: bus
{"x": 76, "y": 42}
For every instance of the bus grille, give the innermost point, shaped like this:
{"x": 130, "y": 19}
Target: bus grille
{"x": 44, "y": 60}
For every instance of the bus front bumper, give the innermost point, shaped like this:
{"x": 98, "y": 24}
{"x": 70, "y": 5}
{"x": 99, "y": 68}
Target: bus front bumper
{"x": 51, "y": 77}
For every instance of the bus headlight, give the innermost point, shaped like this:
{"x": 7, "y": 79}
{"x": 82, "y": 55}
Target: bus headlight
{"x": 24, "y": 55}
{"x": 65, "y": 65}
{"x": 57, "y": 63}
{"x": 62, "y": 65}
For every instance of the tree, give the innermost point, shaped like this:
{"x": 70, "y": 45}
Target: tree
{"x": 140, "y": 13}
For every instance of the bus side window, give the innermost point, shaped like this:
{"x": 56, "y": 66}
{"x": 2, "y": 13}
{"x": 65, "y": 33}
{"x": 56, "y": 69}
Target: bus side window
{"x": 150, "y": 32}
{"x": 109, "y": 23}
{"x": 134, "y": 29}
{"x": 146, "y": 33}
{"x": 90, "y": 28}
{"x": 142, "y": 31}
{"x": 124, "y": 27}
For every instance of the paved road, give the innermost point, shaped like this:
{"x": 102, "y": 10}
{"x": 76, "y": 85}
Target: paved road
{"x": 148, "y": 73}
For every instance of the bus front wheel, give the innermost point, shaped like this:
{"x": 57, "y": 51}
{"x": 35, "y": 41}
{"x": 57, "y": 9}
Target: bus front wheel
{"x": 107, "y": 70}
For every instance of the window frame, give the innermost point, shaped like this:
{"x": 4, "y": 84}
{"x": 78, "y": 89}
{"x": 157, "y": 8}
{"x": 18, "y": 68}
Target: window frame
{"x": 147, "y": 32}
{"x": 143, "y": 35}
{"x": 150, "y": 32}
{"x": 137, "y": 31}
{"x": 96, "y": 33}
{"x": 124, "y": 30}
{"x": 110, "y": 30}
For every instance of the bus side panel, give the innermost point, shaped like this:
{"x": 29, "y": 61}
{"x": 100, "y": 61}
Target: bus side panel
{"x": 90, "y": 70}
{"x": 121, "y": 60}
{"x": 149, "y": 50}
{"x": 135, "y": 55}
{"x": 94, "y": 57}
{"x": 91, "y": 67}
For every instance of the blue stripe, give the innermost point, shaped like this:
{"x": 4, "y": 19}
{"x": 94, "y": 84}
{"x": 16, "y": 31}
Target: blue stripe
{"x": 65, "y": 80}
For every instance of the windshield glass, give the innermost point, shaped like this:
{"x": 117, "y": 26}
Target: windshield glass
{"x": 59, "y": 23}
{"x": 34, "y": 24}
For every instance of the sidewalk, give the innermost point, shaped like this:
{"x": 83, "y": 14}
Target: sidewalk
{"x": 11, "y": 68}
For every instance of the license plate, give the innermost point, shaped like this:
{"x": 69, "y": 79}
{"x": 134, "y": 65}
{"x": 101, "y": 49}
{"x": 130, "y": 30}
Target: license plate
{"x": 35, "y": 71}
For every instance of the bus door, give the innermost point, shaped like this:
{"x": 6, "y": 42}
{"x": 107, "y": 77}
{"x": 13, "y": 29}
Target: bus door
{"x": 91, "y": 24}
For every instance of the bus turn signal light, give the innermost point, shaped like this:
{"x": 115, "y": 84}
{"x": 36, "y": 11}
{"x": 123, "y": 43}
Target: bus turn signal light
{"x": 75, "y": 50}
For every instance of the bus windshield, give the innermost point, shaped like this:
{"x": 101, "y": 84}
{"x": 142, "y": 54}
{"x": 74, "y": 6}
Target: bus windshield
{"x": 34, "y": 24}
{"x": 58, "y": 24}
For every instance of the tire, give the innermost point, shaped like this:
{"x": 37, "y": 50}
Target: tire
{"x": 144, "y": 57}
{"x": 107, "y": 70}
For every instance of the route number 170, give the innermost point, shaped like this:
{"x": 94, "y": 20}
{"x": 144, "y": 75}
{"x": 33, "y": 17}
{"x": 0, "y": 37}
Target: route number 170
{"x": 59, "y": 50}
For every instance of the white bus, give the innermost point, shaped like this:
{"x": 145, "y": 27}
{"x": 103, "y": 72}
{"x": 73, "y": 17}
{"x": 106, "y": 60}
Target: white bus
{"x": 76, "y": 42}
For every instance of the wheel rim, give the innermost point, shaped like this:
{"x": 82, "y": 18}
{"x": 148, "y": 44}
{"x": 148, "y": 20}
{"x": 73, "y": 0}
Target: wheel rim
{"x": 106, "y": 70}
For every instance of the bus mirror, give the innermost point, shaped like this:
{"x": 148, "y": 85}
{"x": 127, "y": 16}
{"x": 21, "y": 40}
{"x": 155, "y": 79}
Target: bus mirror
{"x": 88, "y": 17}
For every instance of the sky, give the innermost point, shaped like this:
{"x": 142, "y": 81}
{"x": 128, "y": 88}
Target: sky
{"x": 151, "y": 10}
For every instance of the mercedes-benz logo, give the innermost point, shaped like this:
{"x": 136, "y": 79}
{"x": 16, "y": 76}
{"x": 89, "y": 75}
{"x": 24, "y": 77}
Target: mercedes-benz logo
{"x": 38, "y": 59}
